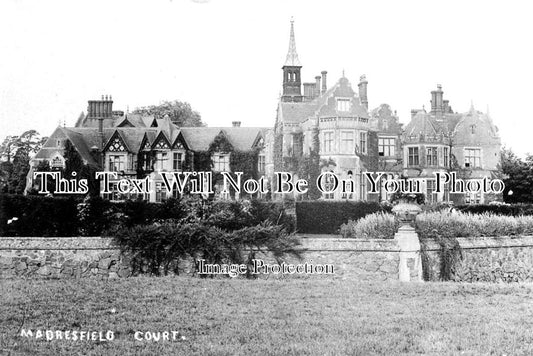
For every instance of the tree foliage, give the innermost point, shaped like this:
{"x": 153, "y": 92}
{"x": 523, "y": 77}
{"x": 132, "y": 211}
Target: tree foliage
{"x": 29, "y": 140}
{"x": 180, "y": 113}
{"x": 16, "y": 152}
{"x": 518, "y": 177}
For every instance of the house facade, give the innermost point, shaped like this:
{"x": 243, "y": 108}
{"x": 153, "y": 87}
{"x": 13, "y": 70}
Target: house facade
{"x": 336, "y": 123}
{"x": 441, "y": 140}
{"x": 136, "y": 146}
{"x": 318, "y": 129}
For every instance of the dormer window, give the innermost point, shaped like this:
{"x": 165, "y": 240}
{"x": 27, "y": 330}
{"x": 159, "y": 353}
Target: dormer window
{"x": 343, "y": 105}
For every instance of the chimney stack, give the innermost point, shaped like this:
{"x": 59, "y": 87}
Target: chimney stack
{"x": 317, "y": 85}
{"x": 236, "y": 123}
{"x": 363, "y": 95}
{"x": 446, "y": 106}
{"x": 100, "y": 108}
{"x": 309, "y": 91}
{"x": 324, "y": 81}
{"x": 436, "y": 100}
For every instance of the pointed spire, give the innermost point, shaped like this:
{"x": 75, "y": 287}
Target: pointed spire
{"x": 292, "y": 56}
{"x": 472, "y": 106}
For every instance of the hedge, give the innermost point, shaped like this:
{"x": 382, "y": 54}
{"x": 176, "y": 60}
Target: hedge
{"x": 446, "y": 225}
{"x": 52, "y": 216}
{"x": 498, "y": 209}
{"x": 38, "y": 216}
{"x": 326, "y": 217}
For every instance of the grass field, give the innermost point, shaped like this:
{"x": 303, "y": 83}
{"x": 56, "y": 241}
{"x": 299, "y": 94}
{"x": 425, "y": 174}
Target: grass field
{"x": 269, "y": 317}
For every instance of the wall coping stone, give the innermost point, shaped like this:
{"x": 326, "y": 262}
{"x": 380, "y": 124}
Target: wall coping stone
{"x": 57, "y": 243}
{"x": 105, "y": 243}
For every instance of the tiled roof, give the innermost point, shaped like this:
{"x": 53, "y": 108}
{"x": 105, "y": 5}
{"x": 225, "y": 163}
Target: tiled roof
{"x": 241, "y": 138}
{"x": 297, "y": 112}
{"x": 199, "y": 138}
{"x": 80, "y": 144}
{"x": 422, "y": 124}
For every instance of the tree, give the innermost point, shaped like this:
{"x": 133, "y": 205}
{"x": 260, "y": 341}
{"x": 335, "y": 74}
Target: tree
{"x": 6, "y": 169}
{"x": 517, "y": 177}
{"x": 9, "y": 147}
{"x": 16, "y": 182}
{"x": 75, "y": 163}
{"x": 17, "y": 150}
{"x": 30, "y": 141}
{"x": 180, "y": 113}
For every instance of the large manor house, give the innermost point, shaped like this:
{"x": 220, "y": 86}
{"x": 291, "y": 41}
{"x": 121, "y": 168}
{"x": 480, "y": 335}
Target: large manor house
{"x": 332, "y": 123}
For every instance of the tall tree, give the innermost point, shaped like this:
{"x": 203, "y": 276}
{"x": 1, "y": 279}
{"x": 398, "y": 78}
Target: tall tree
{"x": 180, "y": 113}
{"x": 16, "y": 182}
{"x": 517, "y": 176}
{"x": 74, "y": 163}
{"x": 9, "y": 147}
{"x": 30, "y": 141}
{"x": 16, "y": 151}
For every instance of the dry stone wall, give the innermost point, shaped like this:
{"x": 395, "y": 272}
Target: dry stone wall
{"x": 482, "y": 259}
{"x": 95, "y": 257}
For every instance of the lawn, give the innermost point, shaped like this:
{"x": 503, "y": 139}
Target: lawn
{"x": 268, "y": 317}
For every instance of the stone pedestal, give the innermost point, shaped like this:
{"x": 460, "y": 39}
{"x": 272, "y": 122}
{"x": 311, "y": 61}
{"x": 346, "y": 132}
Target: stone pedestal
{"x": 410, "y": 268}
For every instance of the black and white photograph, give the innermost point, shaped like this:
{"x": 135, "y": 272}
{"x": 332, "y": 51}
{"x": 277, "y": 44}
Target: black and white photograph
{"x": 231, "y": 177}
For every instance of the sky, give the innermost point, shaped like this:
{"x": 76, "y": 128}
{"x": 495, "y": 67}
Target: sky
{"x": 224, "y": 57}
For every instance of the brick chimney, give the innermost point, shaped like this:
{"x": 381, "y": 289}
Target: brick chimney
{"x": 324, "y": 81}
{"x": 317, "y": 85}
{"x": 363, "y": 95}
{"x": 437, "y": 106}
{"x": 309, "y": 91}
{"x": 236, "y": 123}
{"x": 100, "y": 108}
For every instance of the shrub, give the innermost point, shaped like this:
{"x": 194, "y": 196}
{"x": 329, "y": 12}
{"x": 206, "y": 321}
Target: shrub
{"x": 38, "y": 216}
{"x": 325, "y": 217}
{"x": 498, "y": 209}
{"x": 96, "y": 215}
{"x": 93, "y": 216}
{"x": 158, "y": 248}
{"x": 373, "y": 226}
{"x": 456, "y": 224}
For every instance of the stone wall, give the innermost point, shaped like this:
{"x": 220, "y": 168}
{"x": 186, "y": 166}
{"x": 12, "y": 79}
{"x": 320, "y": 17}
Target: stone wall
{"x": 61, "y": 257}
{"x": 482, "y": 259}
{"x": 96, "y": 257}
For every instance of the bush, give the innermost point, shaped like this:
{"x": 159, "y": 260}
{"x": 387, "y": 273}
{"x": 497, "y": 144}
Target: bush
{"x": 325, "y": 217}
{"x": 38, "y": 216}
{"x": 94, "y": 216}
{"x": 158, "y": 248}
{"x": 373, "y": 226}
{"x": 456, "y": 224}
{"x": 498, "y": 209}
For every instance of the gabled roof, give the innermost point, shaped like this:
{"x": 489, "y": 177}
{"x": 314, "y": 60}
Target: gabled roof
{"x": 297, "y": 112}
{"x": 422, "y": 124}
{"x": 80, "y": 144}
{"x": 199, "y": 138}
{"x": 116, "y": 135}
{"x": 161, "y": 136}
{"x": 241, "y": 138}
